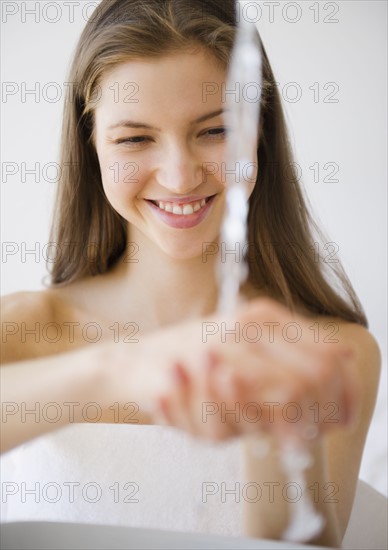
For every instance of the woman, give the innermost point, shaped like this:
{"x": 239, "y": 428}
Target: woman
{"x": 139, "y": 213}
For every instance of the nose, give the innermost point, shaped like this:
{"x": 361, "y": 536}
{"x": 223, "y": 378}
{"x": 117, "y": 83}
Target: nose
{"x": 179, "y": 170}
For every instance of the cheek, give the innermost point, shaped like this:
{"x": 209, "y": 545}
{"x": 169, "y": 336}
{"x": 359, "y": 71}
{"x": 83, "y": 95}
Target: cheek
{"x": 216, "y": 165}
{"x": 122, "y": 182}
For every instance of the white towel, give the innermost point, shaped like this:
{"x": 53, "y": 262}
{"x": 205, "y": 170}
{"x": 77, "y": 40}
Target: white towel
{"x": 117, "y": 474}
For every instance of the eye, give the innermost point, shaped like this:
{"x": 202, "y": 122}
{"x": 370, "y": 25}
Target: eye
{"x": 215, "y": 133}
{"x": 134, "y": 142}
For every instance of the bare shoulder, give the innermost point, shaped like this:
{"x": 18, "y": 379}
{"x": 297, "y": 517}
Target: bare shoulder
{"x": 362, "y": 342}
{"x": 26, "y": 306}
{"x": 368, "y": 360}
{"x": 328, "y": 330}
{"x": 365, "y": 350}
{"x": 23, "y": 314}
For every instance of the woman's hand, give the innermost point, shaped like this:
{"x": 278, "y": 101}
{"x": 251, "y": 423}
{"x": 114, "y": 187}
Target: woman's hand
{"x": 265, "y": 369}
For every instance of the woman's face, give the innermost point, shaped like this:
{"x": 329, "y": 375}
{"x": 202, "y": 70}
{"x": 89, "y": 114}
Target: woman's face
{"x": 161, "y": 144}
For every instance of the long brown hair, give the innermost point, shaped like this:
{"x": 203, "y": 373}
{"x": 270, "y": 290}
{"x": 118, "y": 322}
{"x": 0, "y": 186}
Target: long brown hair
{"x": 278, "y": 221}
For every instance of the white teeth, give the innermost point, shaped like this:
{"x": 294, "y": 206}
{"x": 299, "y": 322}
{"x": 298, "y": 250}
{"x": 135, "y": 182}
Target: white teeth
{"x": 177, "y": 210}
{"x": 183, "y": 209}
{"x": 187, "y": 209}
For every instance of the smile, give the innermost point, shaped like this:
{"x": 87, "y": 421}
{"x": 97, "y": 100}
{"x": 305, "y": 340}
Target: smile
{"x": 182, "y": 209}
{"x": 182, "y": 215}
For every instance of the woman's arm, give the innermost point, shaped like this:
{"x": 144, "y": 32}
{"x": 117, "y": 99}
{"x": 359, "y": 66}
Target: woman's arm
{"x": 323, "y": 372}
{"x": 332, "y": 480}
{"x": 44, "y": 394}
{"x": 44, "y": 386}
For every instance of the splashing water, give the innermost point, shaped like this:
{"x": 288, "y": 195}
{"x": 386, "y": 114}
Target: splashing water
{"x": 242, "y": 120}
{"x": 305, "y": 522}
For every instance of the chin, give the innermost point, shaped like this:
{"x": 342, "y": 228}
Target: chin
{"x": 180, "y": 244}
{"x": 182, "y": 252}
{"x": 201, "y": 247}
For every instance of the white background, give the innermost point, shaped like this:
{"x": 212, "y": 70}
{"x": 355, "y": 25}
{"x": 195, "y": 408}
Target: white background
{"x": 351, "y": 133}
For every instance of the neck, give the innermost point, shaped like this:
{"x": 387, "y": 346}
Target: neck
{"x": 170, "y": 289}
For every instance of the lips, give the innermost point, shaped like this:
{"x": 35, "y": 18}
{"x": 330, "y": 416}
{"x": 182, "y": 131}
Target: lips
{"x": 183, "y": 214}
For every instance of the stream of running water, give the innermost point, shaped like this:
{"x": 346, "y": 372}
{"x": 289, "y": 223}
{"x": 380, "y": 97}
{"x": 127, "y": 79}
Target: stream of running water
{"x": 242, "y": 123}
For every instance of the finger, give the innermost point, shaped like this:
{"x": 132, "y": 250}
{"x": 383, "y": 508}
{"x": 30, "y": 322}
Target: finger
{"x": 180, "y": 399}
{"x": 213, "y": 422}
{"x": 162, "y": 411}
{"x": 286, "y": 335}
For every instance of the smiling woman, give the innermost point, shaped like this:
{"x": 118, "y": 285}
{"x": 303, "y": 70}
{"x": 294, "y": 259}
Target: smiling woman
{"x": 142, "y": 136}
{"x": 277, "y": 217}
{"x": 169, "y": 190}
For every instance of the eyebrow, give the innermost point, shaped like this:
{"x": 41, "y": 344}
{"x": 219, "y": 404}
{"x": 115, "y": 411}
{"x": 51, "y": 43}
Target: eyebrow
{"x": 132, "y": 124}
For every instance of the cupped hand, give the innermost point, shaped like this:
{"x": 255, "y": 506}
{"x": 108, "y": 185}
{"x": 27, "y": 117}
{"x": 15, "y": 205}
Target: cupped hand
{"x": 265, "y": 369}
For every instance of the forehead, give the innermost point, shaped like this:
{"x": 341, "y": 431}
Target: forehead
{"x": 181, "y": 84}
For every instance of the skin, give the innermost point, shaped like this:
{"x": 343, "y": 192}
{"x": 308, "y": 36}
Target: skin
{"x": 169, "y": 304}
